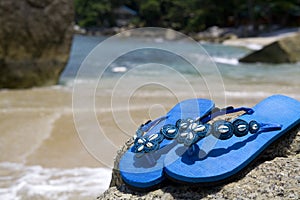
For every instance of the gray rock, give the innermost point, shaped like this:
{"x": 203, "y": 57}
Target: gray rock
{"x": 215, "y": 34}
{"x": 285, "y": 50}
{"x": 35, "y": 40}
{"x": 274, "y": 175}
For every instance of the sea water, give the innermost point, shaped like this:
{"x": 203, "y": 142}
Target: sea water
{"x": 43, "y": 158}
{"x": 246, "y": 79}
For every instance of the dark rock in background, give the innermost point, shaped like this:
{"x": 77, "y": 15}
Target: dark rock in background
{"x": 35, "y": 40}
{"x": 285, "y": 50}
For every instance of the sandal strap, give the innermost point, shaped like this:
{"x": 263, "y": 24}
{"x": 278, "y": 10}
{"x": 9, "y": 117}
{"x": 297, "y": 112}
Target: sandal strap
{"x": 146, "y": 143}
{"x": 268, "y": 127}
{"x": 224, "y": 111}
{"x": 149, "y": 124}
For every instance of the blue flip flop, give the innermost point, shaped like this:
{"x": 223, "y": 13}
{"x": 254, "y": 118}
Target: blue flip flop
{"x": 142, "y": 165}
{"x": 225, "y": 148}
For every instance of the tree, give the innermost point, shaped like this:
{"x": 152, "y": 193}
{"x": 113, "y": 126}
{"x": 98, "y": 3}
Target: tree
{"x": 191, "y": 15}
{"x": 95, "y": 12}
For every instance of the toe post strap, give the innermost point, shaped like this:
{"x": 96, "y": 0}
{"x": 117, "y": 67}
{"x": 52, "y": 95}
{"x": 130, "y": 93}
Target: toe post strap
{"x": 149, "y": 124}
{"x": 255, "y": 127}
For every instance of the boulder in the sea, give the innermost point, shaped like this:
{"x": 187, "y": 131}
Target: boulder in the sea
{"x": 35, "y": 40}
{"x": 284, "y": 50}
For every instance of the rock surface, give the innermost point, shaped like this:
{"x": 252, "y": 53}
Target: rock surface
{"x": 284, "y": 50}
{"x": 275, "y": 175}
{"x": 35, "y": 40}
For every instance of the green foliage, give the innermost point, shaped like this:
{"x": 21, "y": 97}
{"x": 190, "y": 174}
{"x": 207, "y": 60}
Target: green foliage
{"x": 150, "y": 11}
{"x": 95, "y": 12}
{"x": 190, "y": 15}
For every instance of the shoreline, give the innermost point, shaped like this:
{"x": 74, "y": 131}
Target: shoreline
{"x": 256, "y": 43}
{"x": 212, "y": 35}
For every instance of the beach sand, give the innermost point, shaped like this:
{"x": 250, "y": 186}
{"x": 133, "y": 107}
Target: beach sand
{"x": 37, "y": 128}
{"x": 37, "y": 125}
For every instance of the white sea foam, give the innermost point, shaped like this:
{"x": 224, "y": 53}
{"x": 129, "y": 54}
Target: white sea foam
{"x": 119, "y": 69}
{"x": 159, "y": 40}
{"x": 254, "y": 47}
{"x": 35, "y": 182}
{"x": 231, "y": 61}
{"x": 239, "y": 94}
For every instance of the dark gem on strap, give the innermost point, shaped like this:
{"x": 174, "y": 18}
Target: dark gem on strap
{"x": 241, "y": 127}
{"x": 222, "y": 129}
{"x": 254, "y": 126}
{"x": 149, "y": 146}
{"x": 190, "y": 138}
{"x": 146, "y": 144}
{"x": 181, "y": 136}
{"x": 169, "y": 131}
{"x": 183, "y": 124}
{"x": 156, "y": 137}
{"x": 202, "y": 130}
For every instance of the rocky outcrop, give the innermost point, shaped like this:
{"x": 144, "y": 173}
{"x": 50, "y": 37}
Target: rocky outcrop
{"x": 215, "y": 34}
{"x": 284, "y": 50}
{"x": 275, "y": 175}
{"x": 35, "y": 40}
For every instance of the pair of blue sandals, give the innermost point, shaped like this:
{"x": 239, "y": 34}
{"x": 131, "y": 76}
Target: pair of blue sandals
{"x": 186, "y": 146}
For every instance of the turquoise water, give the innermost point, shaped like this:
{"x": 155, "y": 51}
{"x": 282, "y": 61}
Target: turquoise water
{"x": 83, "y": 45}
{"x": 238, "y": 78}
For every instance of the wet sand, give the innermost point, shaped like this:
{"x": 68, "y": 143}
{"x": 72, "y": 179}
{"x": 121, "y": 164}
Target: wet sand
{"x": 37, "y": 126}
{"x": 37, "y": 129}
